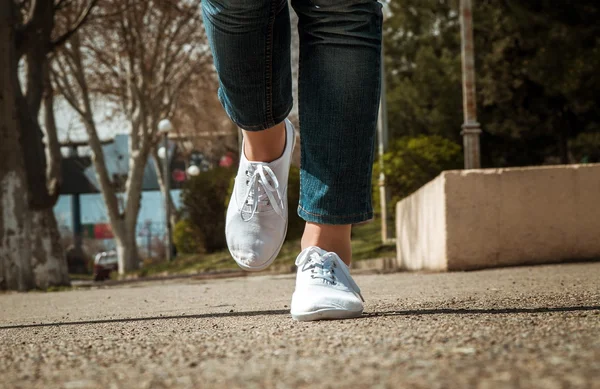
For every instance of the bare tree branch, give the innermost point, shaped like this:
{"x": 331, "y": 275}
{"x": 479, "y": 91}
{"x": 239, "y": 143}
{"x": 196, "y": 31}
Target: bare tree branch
{"x": 60, "y": 4}
{"x": 145, "y": 57}
{"x": 62, "y": 84}
{"x": 53, "y": 171}
{"x": 30, "y": 15}
{"x": 82, "y": 19}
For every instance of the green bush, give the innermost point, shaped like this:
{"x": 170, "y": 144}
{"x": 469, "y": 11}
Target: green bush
{"x": 586, "y": 147}
{"x": 411, "y": 162}
{"x": 187, "y": 237}
{"x": 295, "y": 223}
{"x": 203, "y": 202}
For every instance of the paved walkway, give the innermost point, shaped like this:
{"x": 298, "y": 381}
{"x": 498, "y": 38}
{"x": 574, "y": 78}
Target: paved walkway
{"x": 516, "y": 327}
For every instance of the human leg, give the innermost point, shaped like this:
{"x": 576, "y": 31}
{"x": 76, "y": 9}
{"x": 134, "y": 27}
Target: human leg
{"x": 340, "y": 53}
{"x": 250, "y": 43}
{"x": 329, "y": 237}
{"x": 339, "y": 87}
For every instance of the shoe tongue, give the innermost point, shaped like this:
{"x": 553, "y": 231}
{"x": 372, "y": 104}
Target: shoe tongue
{"x": 309, "y": 254}
{"x": 314, "y": 249}
{"x": 262, "y": 204}
{"x": 261, "y": 195}
{"x": 319, "y": 255}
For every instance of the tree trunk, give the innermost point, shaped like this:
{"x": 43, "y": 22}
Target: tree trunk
{"x": 133, "y": 198}
{"x": 35, "y": 53}
{"x": 15, "y": 225}
{"x": 127, "y": 249}
{"x": 53, "y": 156}
{"x": 15, "y": 218}
{"x": 123, "y": 222}
{"x": 48, "y": 259}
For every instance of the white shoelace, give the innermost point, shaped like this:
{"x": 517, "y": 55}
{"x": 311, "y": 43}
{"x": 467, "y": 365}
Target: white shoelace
{"x": 324, "y": 267}
{"x": 259, "y": 186}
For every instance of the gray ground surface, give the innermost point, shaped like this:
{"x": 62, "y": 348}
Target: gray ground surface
{"x": 514, "y": 327}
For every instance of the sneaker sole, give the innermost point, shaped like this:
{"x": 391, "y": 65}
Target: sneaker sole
{"x": 326, "y": 314}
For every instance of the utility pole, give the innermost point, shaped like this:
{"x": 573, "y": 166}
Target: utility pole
{"x": 382, "y": 143}
{"x": 471, "y": 129}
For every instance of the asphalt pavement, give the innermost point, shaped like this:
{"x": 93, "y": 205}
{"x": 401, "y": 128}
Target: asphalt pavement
{"x": 523, "y": 327}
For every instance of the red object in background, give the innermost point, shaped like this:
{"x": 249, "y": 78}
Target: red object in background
{"x": 226, "y": 160}
{"x": 103, "y": 231}
{"x": 178, "y": 175}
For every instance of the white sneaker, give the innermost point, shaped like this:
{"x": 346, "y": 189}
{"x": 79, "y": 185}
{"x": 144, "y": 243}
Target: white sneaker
{"x": 324, "y": 288}
{"x": 257, "y": 216}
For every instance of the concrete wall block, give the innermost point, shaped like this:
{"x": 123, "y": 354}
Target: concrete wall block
{"x": 501, "y": 217}
{"x": 421, "y": 228}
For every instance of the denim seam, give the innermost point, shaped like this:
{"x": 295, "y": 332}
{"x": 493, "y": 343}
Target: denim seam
{"x": 333, "y": 220}
{"x": 302, "y": 152}
{"x": 263, "y": 126}
{"x": 333, "y": 216}
{"x": 269, "y": 65}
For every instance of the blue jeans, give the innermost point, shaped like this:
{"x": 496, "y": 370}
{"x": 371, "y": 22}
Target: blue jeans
{"x": 339, "y": 87}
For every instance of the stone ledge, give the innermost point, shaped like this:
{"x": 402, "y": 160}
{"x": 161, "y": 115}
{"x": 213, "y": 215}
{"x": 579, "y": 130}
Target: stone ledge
{"x": 474, "y": 219}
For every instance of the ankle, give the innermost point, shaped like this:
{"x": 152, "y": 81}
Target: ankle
{"x": 334, "y": 238}
{"x": 265, "y": 146}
